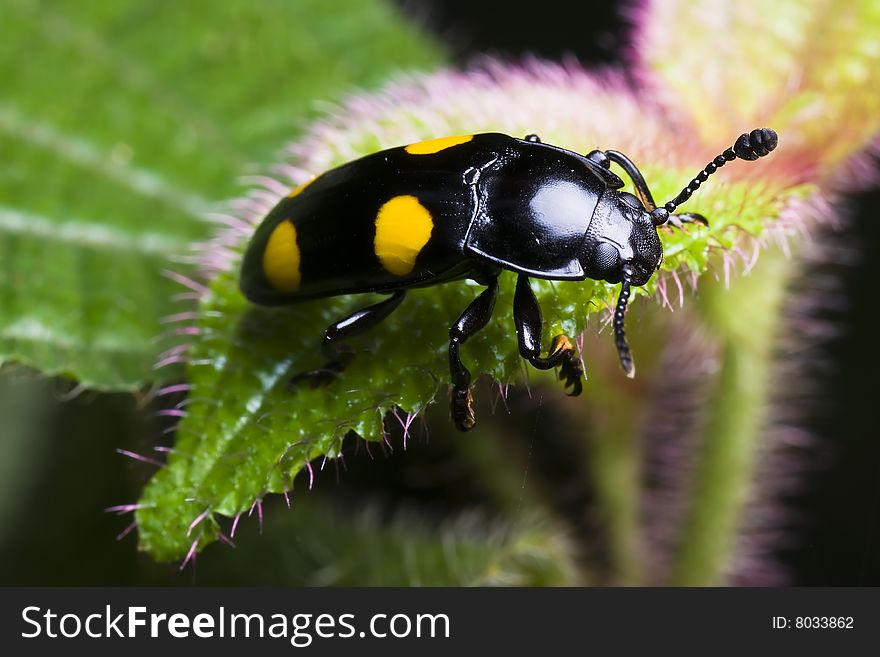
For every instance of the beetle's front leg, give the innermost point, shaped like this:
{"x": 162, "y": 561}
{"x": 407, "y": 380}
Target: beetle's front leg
{"x": 527, "y": 317}
{"x": 473, "y": 319}
{"x": 678, "y": 220}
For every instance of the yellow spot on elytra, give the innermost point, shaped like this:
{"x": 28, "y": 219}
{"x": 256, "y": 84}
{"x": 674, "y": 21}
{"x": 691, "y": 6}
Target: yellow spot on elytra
{"x": 298, "y": 190}
{"x": 403, "y": 227}
{"x": 436, "y": 145}
{"x": 281, "y": 258}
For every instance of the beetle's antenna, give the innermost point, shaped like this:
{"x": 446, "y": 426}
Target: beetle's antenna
{"x": 749, "y": 146}
{"x": 623, "y": 351}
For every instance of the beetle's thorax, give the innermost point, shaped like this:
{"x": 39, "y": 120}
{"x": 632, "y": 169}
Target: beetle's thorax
{"x": 620, "y": 233}
{"x": 533, "y": 208}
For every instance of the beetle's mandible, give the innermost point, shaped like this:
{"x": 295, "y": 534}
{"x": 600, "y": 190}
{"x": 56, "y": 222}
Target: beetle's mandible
{"x": 468, "y": 207}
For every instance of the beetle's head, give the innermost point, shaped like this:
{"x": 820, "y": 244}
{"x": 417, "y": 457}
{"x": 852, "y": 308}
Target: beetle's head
{"x": 622, "y": 236}
{"x": 621, "y": 244}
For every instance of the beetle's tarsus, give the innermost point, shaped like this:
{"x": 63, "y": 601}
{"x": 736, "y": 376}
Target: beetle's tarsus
{"x": 678, "y": 220}
{"x": 572, "y": 373}
{"x": 570, "y": 369}
{"x": 461, "y": 406}
{"x": 576, "y": 385}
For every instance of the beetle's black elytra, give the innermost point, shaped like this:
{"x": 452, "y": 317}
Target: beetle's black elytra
{"x": 468, "y": 207}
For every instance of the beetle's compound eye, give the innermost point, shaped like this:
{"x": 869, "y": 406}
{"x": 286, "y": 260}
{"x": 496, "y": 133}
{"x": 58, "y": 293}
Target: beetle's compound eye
{"x": 606, "y": 260}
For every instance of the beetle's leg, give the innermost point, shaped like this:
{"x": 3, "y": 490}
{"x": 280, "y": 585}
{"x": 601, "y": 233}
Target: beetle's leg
{"x": 527, "y": 317}
{"x": 338, "y": 354}
{"x": 641, "y": 187}
{"x": 678, "y": 220}
{"x": 474, "y": 318}
{"x": 533, "y": 138}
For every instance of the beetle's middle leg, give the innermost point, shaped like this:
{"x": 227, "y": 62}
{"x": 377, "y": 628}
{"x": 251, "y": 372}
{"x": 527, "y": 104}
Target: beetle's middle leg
{"x": 337, "y": 353}
{"x": 678, "y": 220}
{"x": 474, "y": 318}
{"x": 527, "y": 317}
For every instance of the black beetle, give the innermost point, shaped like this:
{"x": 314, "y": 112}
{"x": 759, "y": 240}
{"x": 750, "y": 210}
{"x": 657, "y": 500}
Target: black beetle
{"x": 468, "y": 207}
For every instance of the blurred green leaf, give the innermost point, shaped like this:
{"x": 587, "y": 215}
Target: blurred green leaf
{"x": 26, "y": 407}
{"x": 316, "y": 545}
{"x": 120, "y": 123}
